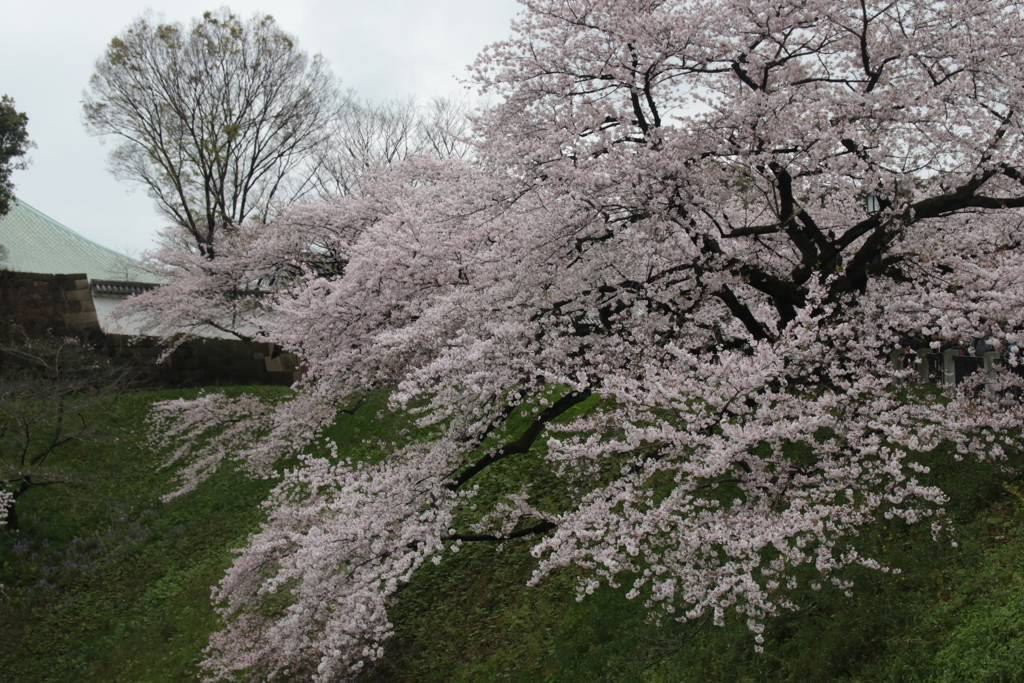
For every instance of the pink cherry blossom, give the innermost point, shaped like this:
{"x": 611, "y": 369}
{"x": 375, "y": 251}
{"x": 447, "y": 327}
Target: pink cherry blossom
{"x": 665, "y": 216}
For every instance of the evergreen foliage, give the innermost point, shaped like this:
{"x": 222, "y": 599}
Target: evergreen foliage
{"x": 14, "y": 144}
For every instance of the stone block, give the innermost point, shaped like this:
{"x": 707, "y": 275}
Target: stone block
{"x": 78, "y": 295}
{"x": 69, "y": 283}
{"x": 85, "y": 319}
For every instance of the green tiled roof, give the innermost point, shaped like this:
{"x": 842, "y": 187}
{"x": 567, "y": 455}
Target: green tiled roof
{"x": 35, "y": 243}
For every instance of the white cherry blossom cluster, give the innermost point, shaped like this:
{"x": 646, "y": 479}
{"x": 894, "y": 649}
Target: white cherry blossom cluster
{"x": 308, "y": 596}
{"x": 6, "y": 500}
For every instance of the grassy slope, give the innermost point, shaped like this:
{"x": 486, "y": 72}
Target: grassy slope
{"x": 105, "y": 583}
{"x": 953, "y": 615}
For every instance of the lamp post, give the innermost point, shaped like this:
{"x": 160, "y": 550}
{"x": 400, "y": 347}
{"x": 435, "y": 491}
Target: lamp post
{"x": 872, "y": 205}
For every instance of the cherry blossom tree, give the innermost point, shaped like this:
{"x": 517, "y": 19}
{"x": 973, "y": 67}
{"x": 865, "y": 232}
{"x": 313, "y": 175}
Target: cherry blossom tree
{"x": 676, "y": 265}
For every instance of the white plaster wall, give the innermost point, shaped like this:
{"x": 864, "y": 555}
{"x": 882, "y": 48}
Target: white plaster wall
{"x": 105, "y": 305}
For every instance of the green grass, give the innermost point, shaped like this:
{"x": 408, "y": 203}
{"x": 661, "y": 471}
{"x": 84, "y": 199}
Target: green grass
{"x": 105, "y": 583}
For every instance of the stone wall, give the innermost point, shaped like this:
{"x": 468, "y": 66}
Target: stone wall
{"x": 205, "y": 362}
{"x": 38, "y": 305}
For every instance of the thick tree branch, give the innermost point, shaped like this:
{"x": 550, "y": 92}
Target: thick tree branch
{"x": 541, "y": 528}
{"x": 525, "y": 441}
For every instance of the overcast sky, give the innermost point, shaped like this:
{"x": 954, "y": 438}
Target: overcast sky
{"x": 380, "y": 48}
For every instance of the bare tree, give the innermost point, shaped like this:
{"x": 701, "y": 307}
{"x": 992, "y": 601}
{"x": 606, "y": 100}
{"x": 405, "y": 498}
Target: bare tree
{"x": 218, "y": 121}
{"x": 444, "y": 128}
{"x": 367, "y": 134}
{"x": 53, "y": 393}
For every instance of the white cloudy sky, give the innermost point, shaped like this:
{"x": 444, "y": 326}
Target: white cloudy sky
{"x": 380, "y": 48}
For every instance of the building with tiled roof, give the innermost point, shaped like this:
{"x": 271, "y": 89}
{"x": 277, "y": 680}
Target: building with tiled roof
{"x": 32, "y": 242}
{"x": 54, "y": 281}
